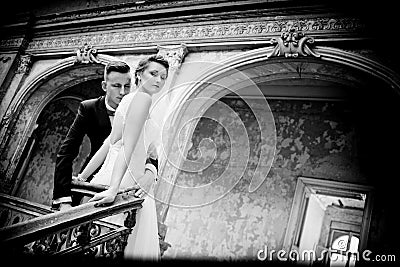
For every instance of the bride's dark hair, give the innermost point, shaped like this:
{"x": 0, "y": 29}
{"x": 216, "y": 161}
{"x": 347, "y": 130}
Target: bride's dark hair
{"x": 142, "y": 65}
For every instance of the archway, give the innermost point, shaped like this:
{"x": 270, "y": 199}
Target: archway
{"x": 336, "y": 77}
{"x": 61, "y": 85}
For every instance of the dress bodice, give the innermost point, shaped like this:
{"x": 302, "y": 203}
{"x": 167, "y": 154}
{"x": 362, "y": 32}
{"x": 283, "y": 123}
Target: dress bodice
{"x": 138, "y": 158}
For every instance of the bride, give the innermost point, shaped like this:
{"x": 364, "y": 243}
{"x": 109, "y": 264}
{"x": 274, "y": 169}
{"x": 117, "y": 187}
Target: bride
{"x": 132, "y": 136}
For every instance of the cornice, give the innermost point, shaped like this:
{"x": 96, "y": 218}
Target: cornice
{"x": 12, "y": 44}
{"x": 249, "y": 30}
{"x": 122, "y": 10}
{"x": 170, "y": 16}
{"x": 159, "y": 9}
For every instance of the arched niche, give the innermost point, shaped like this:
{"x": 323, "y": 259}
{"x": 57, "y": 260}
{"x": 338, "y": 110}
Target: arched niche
{"x": 333, "y": 65}
{"x": 27, "y": 106}
{"x": 341, "y": 75}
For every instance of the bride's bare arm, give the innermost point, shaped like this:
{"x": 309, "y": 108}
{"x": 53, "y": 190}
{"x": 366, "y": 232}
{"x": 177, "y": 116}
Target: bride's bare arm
{"x": 101, "y": 154}
{"x": 136, "y": 116}
{"x": 95, "y": 161}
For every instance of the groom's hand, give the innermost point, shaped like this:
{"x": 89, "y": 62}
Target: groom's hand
{"x": 65, "y": 206}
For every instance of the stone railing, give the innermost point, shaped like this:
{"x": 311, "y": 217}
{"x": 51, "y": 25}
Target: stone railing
{"x": 33, "y": 229}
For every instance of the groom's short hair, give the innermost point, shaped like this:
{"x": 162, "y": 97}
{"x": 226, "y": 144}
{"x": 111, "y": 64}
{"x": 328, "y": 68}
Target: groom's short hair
{"x": 116, "y": 66}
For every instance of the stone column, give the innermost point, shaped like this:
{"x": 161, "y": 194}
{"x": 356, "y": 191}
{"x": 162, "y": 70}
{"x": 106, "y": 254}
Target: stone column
{"x": 7, "y": 60}
{"x": 175, "y": 56}
{"x": 10, "y": 64}
{"x": 23, "y": 68}
{"x": 22, "y": 71}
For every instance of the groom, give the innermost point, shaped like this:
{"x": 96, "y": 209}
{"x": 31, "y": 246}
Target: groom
{"x": 94, "y": 119}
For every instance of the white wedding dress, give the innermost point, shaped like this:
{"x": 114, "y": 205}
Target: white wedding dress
{"x": 143, "y": 242}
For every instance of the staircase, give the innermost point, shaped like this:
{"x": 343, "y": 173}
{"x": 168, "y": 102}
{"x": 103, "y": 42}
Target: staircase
{"x": 29, "y": 228}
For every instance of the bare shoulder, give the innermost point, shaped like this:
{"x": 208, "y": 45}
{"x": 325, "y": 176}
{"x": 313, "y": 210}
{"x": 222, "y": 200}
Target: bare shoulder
{"x": 134, "y": 95}
{"x": 143, "y": 96}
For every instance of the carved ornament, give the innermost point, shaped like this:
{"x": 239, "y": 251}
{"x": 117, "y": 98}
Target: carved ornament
{"x": 4, "y": 59}
{"x": 174, "y": 55}
{"x": 5, "y": 121}
{"x": 86, "y": 54}
{"x": 24, "y": 64}
{"x": 292, "y": 43}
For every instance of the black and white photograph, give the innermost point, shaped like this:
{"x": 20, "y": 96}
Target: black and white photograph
{"x": 198, "y": 131}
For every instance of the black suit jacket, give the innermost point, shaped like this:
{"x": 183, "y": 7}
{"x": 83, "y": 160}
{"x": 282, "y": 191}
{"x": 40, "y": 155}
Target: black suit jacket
{"x": 92, "y": 120}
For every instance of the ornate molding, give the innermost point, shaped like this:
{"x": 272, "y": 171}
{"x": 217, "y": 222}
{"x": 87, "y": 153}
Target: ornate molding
{"x": 173, "y": 54}
{"x": 126, "y": 8}
{"x": 292, "y": 43}
{"x": 12, "y": 43}
{"x": 24, "y": 64}
{"x": 86, "y": 54}
{"x": 187, "y": 33}
{"x": 5, "y": 121}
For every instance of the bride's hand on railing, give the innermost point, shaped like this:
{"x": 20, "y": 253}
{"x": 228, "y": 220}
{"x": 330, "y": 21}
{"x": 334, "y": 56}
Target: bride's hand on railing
{"x": 104, "y": 198}
{"x": 79, "y": 178}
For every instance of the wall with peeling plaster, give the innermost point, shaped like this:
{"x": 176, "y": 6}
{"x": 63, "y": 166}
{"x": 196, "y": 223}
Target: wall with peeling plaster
{"x": 314, "y": 138}
{"x": 53, "y": 125}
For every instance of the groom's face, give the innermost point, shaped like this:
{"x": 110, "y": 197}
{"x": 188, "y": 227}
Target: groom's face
{"x": 116, "y": 86}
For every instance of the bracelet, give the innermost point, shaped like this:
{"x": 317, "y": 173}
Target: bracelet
{"x": 79, "y": 177}
{"x": 153, "y": 169}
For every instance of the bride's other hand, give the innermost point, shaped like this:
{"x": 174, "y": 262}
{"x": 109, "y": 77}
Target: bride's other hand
{"x": 104, "y": 198}
{"x": 140, "y": 193}
{"x": 79, "y": 178}
{"x": 144, "y": 183}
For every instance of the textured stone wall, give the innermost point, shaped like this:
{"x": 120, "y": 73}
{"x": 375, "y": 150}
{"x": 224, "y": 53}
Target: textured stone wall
{"x": 54, "y": 122}
{"x": 37, "y": 184}
{"x": 6, "y": 61}
{"x": 14, "y": 144}
{"x": 313, "y": 139}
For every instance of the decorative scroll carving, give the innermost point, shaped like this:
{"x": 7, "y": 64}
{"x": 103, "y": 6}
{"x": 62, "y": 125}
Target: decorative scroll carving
{"x": 292, "y": 44}
{"x": 94, "y": 238}
{"x": 5, "y": 121}
{"x": 114, "y": 248}
{"x": 24, "y": 64}
{"x": 200, "y": 32}
{"x": 80, "y": 236}
{"x": 4, "y": 59}
{"x": 130, "y": 220}
{"x": 83, "y": 234}
{"x": 174, "y": 55}
{"x": 86, "y": 54}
